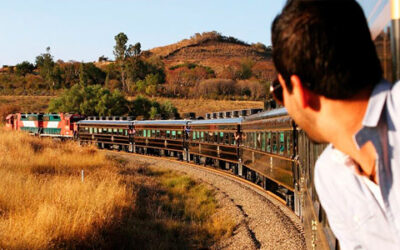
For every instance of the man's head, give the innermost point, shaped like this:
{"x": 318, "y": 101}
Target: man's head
{"x": 324, "y": 46}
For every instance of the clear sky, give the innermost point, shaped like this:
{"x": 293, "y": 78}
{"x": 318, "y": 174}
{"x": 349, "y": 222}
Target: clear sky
{"x": 83, "y": 30}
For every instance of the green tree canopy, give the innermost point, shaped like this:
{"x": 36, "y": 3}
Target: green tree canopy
{"x": 90, "y": 100}
{"x": 24, "y": 68}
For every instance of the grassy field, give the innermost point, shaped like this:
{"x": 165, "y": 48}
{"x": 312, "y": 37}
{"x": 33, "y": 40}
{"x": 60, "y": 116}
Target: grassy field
{"x": 45, "y": 204}
{"x": 11, "y": 104}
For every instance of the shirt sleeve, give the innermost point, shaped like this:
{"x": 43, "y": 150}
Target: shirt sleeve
{"x": 333, "y": 203}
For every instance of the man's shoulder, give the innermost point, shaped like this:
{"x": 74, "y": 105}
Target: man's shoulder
{"x": 331, "y": 168}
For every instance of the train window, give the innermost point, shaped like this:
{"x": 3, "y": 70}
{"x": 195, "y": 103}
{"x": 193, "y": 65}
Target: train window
{"x": 148, "y": 133}
{"x": 216, "y": 137}
{"x": 226, "y": 138}
{"x": 263, "y": 141}
{"x": 121, "y": 131}
{"x": 259, "y": 140}
{"x": 221, "y": 137}
{"x": 202, "y": 136}
{"x": 158, "y": 133}
{"x": 95, "y": 130}
{"x": 115, "y": 130}
{"x": 254, "y": 140}
{"x": 194, "y": 135}
{"x": 100, "y": 130}
{"x": 153, "y": 133}
{"x": 144, "y": 132}
{"x": 269, "y": 142}
{"x": 282, "y": 143}
{"x": 274, "y": 143}
{"x": 125, "y": 132}
{"x": 211, "y": 137}
{"x": 91, "y": 130}
{"x": 288, "y": 143}
{"x": 179, "y": 134}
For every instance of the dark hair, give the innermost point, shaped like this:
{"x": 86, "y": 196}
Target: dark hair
{"x": 327, "y": 43}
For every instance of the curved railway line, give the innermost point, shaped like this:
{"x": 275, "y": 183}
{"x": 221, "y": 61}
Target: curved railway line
{"x": 262, "y": 221}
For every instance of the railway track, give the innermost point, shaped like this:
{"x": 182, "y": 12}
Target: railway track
{"x": 262, "y": 220}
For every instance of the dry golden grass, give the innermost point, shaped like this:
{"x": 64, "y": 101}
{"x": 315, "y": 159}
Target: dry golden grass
{"x": 203, "y": 106}
{"x": 12, "y": 104}
{"x": 44, "y": 203}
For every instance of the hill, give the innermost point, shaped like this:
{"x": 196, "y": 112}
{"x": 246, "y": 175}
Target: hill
{"x": 211, "y": 49}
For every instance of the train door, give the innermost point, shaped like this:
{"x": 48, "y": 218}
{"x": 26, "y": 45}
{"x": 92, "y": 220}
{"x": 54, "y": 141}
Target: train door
{"x": 40, "y": 123}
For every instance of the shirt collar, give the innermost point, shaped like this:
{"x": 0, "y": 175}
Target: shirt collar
{"x": 375, "y": 104}
{"x": 373, "y": 113}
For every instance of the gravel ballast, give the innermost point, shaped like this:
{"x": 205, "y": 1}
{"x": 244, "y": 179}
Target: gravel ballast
{"x": 261, "y": 221}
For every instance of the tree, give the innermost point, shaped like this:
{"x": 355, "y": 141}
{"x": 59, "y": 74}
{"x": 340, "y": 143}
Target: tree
{"x": 103, "y": 58}
{"x": 120, "y": 48}
{"x": 246, "y": 69}
{"x": 24, "y": 68}
{"x": 89, "y": 74}
{"x": 45, "y": 63}
{"x": 120, "y": 53}
{"x": 90, "y": 100}
{"x": 169, "y": 111}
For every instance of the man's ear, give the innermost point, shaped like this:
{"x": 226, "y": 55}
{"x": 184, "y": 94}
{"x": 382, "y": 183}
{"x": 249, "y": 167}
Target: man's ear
{"x": 303, "y": 95}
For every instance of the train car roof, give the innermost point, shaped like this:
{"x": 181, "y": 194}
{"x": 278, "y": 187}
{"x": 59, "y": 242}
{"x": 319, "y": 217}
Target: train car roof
{"x": 218, "y": 121}
{"x": 105, "y": 122}
{"x": 162, "y": 122}
{"x": 267, "y": 114}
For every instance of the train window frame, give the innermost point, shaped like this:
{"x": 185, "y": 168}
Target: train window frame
{"x": 179, "y": 134}
{"x": 263, "y": 141}
{"x": 226, "y": 138}
{"x": 282, "y": 144}
{"x": 288, "y": 143}
{"x": 274, "y": 144}
{"x": 254, "y": 142}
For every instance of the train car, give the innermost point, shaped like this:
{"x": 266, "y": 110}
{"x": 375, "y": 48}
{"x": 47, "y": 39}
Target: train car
{"x": 110, "y": 134}
{"x": 29, "y": 122}
{"x": 281, "y": 158}
{"x": 161, "y": 137}
{"x": 267, "y": 151}
{"x": 383, "y": 18}
{"x": 215, "y": 140}
{"x": 58, "y": 125}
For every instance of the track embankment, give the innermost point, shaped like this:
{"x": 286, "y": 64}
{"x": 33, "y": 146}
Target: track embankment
{"x": 261, "y": 221}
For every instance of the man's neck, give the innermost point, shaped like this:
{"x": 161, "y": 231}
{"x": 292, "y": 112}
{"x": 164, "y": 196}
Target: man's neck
{"x": 346, "y": 122}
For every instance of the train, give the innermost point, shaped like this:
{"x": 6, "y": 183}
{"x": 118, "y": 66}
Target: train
{"x": 266, "y": 148}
